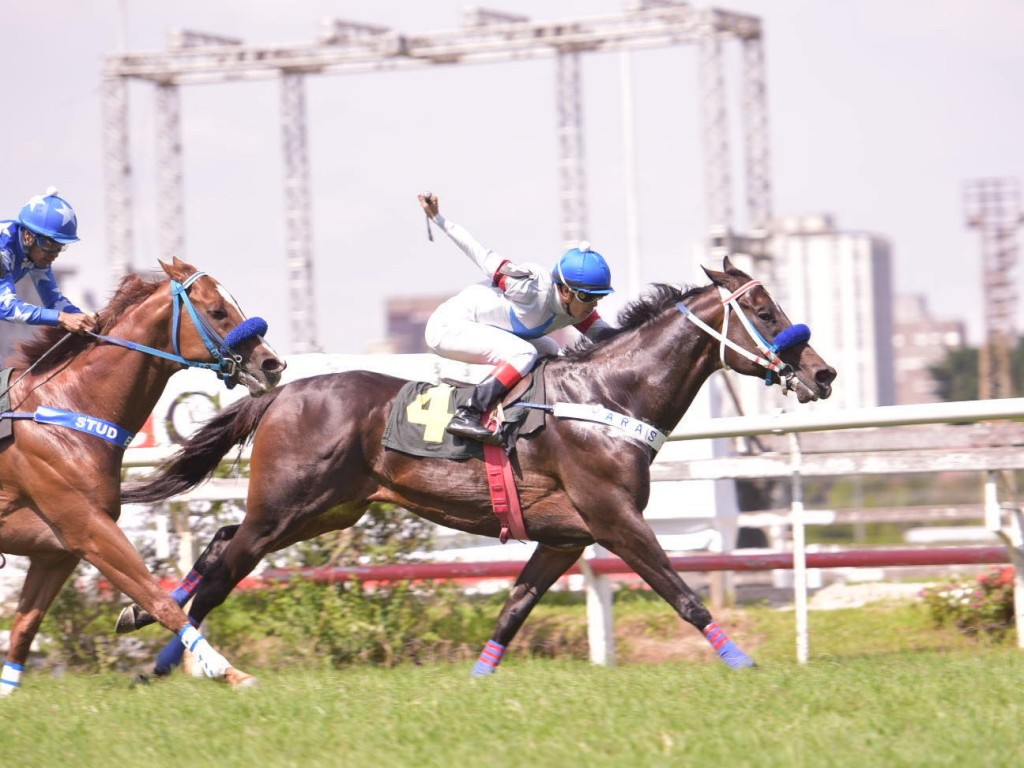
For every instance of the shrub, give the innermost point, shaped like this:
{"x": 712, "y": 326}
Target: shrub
{"x": 76, "y": 631}
{"x": 350, "y": 623}
{"x": 979, "y": 607}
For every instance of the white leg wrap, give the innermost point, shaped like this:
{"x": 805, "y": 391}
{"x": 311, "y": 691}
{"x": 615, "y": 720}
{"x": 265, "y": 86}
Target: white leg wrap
{"x": 206, "y": 660}
{"x": 10, "y": 678}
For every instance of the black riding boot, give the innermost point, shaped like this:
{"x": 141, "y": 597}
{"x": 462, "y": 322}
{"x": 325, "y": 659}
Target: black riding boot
{"x": 467, "y": 419}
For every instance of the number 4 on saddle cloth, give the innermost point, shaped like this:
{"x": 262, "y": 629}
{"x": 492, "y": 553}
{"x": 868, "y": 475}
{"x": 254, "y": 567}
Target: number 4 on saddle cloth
{"x": 421, "y": 411}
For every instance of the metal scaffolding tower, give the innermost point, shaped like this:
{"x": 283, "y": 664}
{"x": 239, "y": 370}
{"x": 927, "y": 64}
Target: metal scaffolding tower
{"x": 572, "y": 174}
{"x": 486, "y": 36}
{"x": 169, "y": 181}
{"x": 118, "y": 173}
{"x": 298, "y": 220}
{"x": 993, "y": 207}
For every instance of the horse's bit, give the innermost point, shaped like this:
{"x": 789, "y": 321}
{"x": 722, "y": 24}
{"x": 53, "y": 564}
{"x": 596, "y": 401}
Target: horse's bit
{"x": 789, "y": 337}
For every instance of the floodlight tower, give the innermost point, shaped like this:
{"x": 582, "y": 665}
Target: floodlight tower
{"x": 993, "y": 207}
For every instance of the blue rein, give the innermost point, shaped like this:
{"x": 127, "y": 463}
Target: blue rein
{"x": 226, "y": 365}
{"x": 226, "y": 362}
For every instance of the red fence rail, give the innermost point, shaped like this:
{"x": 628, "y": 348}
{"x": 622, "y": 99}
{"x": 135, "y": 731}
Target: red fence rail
{"x": 861, "y": 558}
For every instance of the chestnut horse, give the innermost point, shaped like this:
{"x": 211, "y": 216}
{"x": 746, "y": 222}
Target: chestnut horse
{"x": 318, "y": 462}
{"x": 77, "y": 405}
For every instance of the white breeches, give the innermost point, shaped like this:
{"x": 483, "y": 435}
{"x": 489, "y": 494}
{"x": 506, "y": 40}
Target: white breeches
{"x": 472, "y": 342}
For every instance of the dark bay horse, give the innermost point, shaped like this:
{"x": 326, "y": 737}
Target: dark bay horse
{"x": 318, "y": 462}
{"x": 78, "y": 400}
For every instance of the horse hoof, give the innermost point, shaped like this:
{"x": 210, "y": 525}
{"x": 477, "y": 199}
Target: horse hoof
{"x": 127, "y": 621}
{"x": 239, "y": 679}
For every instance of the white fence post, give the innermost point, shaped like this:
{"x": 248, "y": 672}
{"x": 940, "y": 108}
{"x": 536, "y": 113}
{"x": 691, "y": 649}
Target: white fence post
{"x": 1012, "y": 535}
{"x": 799, "y": 552}
{"x": 600, "y": 615}
{"x": 1015, "y": 545}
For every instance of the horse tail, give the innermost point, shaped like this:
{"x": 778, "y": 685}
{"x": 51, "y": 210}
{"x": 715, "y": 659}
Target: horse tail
{"x": 201, "y": 454}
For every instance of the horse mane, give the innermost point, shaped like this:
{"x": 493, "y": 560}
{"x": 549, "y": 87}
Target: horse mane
{"x": 131, "y": 291}
{"x": 639, "y": 312}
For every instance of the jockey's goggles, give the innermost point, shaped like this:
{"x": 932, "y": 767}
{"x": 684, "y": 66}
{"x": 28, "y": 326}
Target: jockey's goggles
{"x": 49, "y": 245}
{"x": 585, "y": 297}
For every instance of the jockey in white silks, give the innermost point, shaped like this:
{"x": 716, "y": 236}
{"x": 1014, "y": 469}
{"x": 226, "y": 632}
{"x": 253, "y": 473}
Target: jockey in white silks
{"x": 505, "y": 320}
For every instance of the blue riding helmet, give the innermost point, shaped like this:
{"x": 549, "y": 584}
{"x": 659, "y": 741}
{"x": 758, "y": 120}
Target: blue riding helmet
{"x": 583, "y": 269}
{"x": 51, "y": 216}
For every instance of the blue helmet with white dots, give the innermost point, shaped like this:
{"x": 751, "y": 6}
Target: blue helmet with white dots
{"x": 583, "y": 269}
{"x": 51, "y": 216}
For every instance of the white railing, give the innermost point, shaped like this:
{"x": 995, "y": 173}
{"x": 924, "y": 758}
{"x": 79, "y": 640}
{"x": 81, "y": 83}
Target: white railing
{"x": 1010, "y": 531}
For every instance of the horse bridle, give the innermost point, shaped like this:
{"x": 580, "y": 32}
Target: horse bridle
{"x": 769, "y": 358}
{"x": 226, "y": 362}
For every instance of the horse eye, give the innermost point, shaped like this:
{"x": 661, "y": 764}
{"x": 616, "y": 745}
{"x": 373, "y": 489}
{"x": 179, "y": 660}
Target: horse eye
{"x": 218, "y": 314}
{"x": 764, "y": 315}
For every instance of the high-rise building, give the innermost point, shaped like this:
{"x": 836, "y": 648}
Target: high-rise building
{"x": 919, "y": 342}
{"x": 840, "y": 284}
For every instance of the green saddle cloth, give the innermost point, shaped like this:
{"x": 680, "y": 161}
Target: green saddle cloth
{"x": 421, "y": 411}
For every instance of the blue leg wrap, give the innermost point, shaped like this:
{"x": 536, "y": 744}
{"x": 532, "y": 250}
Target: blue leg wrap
{"x": 726, "y": 648}
{"x": 734, "y": 657}
{"x": 169, "y": 657}
{"x": 188, "y": 586}
{"x": 490, "y": 658}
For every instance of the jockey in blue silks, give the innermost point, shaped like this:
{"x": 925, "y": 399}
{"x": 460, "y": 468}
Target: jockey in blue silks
{"x": 505, "y": 320}
{"x": 28, "y": 246}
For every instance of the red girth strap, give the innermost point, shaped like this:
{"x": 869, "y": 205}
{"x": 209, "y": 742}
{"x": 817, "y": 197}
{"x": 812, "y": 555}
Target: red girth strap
{"x": 504, "y": 495}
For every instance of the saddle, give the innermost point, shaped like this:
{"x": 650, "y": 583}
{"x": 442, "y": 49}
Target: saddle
{"x": 421, "y": 411}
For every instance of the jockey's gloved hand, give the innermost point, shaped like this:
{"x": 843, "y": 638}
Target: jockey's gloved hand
{"x": 76, "y": 322}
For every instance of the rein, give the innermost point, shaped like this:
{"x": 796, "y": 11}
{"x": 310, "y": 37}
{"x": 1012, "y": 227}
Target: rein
{"x": 28, "y": 370}
{"x": 226, "y": 362}
{"x": 769, "y": 359}
{"x": 225, "y": 365}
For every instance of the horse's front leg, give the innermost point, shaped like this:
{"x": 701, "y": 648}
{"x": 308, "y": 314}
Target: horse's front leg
{"x": 43, "y": 581}
{"x": 543, "y": 569}
{"x": 96, "y": 537}
{"x": 630, "y": 537}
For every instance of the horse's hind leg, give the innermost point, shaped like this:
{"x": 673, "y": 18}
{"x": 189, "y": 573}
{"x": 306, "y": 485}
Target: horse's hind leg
{"x": 261, "y": 532}
{"x": 225, "y": 562}
{"x": 42, "y": 584}
{"x": 102, "y": 543}
{"x": 133, "y": 617}
{"x": 543, "y": 569}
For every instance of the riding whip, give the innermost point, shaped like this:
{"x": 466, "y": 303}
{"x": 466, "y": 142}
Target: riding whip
{"x": 430, "y": 234}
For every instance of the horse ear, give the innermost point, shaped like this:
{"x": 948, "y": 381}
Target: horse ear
{"x": 727, "y": 264}
{"x": 718, "y": 278}
{"x": 177, "y": 270}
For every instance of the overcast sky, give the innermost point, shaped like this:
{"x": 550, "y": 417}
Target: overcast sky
{"x": 879, "y": 112}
